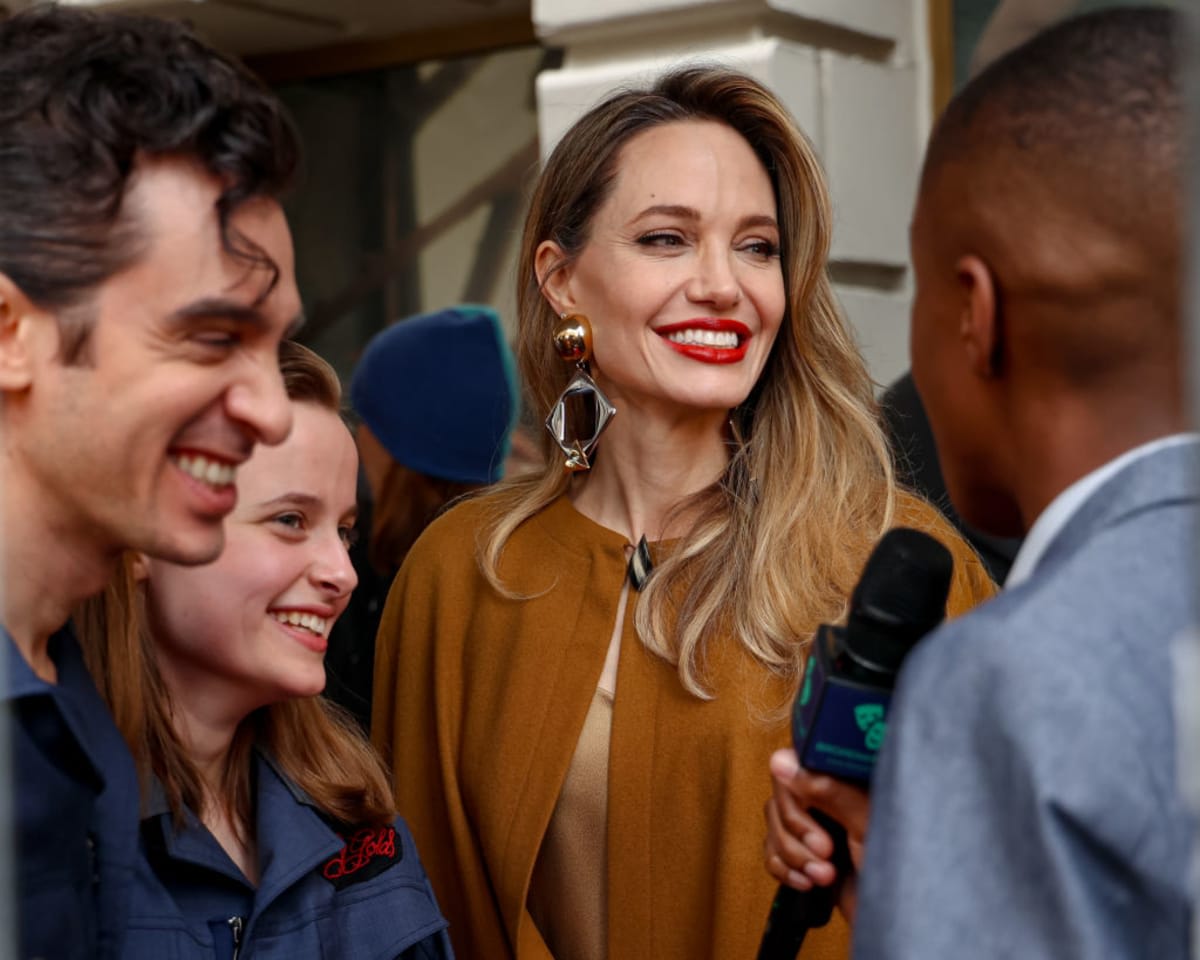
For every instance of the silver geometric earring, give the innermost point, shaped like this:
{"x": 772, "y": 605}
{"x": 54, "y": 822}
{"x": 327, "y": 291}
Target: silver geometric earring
{"x": 572, "y": 339}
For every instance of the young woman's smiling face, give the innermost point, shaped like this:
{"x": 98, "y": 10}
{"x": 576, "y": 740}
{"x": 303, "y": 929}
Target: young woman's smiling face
{"x": 251, "y": 628}
{"x": 681, "y": 276}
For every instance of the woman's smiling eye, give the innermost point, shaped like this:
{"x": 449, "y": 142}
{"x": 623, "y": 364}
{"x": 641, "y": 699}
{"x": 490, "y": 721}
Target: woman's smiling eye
{"x": 348, "y": 533}
{"x": 765, "y": 249}
{"x": 292, "y": 520}
{"x": 660, "y": 239}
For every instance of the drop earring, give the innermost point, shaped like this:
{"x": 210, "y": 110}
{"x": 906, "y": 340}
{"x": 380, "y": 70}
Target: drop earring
{"x": 572, "y": 339}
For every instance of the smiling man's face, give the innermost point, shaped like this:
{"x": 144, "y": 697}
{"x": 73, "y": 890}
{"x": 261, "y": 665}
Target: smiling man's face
{"x": 136, "y": 443}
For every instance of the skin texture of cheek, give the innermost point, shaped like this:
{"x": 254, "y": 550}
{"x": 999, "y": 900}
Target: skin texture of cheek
{"x": 206, "y": 615}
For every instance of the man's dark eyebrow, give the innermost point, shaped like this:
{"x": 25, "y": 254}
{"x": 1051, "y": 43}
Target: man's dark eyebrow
{"x": 217, "y": 307}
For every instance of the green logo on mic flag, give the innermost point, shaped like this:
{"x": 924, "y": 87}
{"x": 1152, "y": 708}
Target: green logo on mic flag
{"x": 869, "y": 717}
{"x": 806, "y": 692}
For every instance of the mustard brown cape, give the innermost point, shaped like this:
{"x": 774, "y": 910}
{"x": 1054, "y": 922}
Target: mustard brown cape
{"x": 479, "y": 703}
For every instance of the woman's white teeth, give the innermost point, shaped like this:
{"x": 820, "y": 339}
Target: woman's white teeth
{"x": 309, "y": 621}
{"x": 212, "y": 472}
{"x": 724, "y": 339}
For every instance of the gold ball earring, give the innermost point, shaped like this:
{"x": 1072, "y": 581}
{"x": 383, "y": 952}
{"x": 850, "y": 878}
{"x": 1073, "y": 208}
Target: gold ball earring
{"x": 572, "y": 338}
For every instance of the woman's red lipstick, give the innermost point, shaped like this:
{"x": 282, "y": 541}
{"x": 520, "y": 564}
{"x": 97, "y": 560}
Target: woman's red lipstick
{"x": 703, "y": 352}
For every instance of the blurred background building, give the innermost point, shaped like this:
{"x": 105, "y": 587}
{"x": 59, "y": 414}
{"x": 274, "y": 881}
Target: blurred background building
{"x": 424, "y": 121}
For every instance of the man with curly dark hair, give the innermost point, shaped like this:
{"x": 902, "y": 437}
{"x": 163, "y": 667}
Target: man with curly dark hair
{"x": 146, "y": 280}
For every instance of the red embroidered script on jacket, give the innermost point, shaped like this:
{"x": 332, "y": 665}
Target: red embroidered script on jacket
{"x": 367, "y": 853}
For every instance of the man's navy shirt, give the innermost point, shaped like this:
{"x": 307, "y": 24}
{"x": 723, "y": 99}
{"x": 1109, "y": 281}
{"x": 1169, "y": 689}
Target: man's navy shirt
{"x": 75, "y": 808}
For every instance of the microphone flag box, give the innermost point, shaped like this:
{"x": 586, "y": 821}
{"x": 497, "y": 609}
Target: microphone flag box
{"x": 838, "y": 723}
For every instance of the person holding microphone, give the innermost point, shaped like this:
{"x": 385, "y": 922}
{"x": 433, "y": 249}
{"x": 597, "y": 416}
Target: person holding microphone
{"x": 1026, "y": 800}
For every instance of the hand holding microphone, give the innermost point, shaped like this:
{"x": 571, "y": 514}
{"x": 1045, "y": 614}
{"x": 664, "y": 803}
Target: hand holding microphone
{"x": 839, "y": 720}
{"x": 798, "y": 850}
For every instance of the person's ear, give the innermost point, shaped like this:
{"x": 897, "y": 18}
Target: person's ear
{"x": 979, "y": 322}
{"x": 21, "y": 326}
{"x": 554, "y": 271}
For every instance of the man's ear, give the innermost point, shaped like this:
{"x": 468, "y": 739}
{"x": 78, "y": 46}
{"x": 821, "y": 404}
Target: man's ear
{"x": 554, "y": 272}
{"x": 979, "y": 324}
{"x": 21, "y": 324}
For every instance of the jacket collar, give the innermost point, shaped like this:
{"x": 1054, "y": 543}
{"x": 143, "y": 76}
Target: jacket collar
{"x": 78, "y": 703}
{"x": 292, "y": 837}
{"x": 68, "y": 661}
{"x": 1168, "y": 475}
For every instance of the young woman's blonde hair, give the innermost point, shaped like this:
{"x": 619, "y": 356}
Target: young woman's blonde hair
{"x": 313, "y": 741}
{"x": 779, "y": 540}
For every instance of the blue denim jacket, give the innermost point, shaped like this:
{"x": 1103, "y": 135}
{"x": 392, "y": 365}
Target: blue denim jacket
{"x": 364, "y": 896}
{"x": 76, "y": 802}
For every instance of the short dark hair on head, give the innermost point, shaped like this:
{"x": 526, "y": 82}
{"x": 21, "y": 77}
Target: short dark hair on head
{"x": 1102, "y": 90}
{"x": 82, "y": 95}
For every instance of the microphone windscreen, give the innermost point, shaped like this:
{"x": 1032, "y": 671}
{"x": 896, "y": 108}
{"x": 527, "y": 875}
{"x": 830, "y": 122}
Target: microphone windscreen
{"x": 900, "y": 597}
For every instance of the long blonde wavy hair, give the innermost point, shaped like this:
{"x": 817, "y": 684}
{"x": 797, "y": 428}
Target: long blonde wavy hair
{"x": 313, "y": 741}
{"x": 779, "y": 540}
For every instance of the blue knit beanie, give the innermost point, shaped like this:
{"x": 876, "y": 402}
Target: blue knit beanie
{"x": 440, "y": 392}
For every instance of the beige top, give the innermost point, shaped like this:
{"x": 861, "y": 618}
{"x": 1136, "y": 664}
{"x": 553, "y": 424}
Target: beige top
{"x": 568, "y": 891}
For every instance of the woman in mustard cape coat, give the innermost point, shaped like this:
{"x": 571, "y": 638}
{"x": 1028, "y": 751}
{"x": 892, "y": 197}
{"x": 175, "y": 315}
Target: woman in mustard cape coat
{"x": 581, "y": 675}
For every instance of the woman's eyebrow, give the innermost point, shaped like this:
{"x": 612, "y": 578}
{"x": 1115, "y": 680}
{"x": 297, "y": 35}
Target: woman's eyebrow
{"x": 690, "y": 213}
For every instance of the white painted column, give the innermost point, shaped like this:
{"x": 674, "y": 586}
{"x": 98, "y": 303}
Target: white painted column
{"x": 854, "y": 73}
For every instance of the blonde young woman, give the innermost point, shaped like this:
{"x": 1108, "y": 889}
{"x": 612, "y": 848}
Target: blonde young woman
{"x": 580, "y": 746}
{"x": 267, "y": 822}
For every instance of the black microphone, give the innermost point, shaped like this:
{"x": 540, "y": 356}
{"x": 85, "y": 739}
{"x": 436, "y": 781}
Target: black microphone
{"x": 840, "y": 715}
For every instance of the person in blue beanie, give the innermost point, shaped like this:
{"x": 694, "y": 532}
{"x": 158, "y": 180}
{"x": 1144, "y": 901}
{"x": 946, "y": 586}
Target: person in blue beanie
{"x": 438, "y": 399}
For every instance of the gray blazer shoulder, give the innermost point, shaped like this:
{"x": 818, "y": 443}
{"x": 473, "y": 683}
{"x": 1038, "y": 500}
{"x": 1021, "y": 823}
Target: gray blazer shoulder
{"x": 1025, "y": 804}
